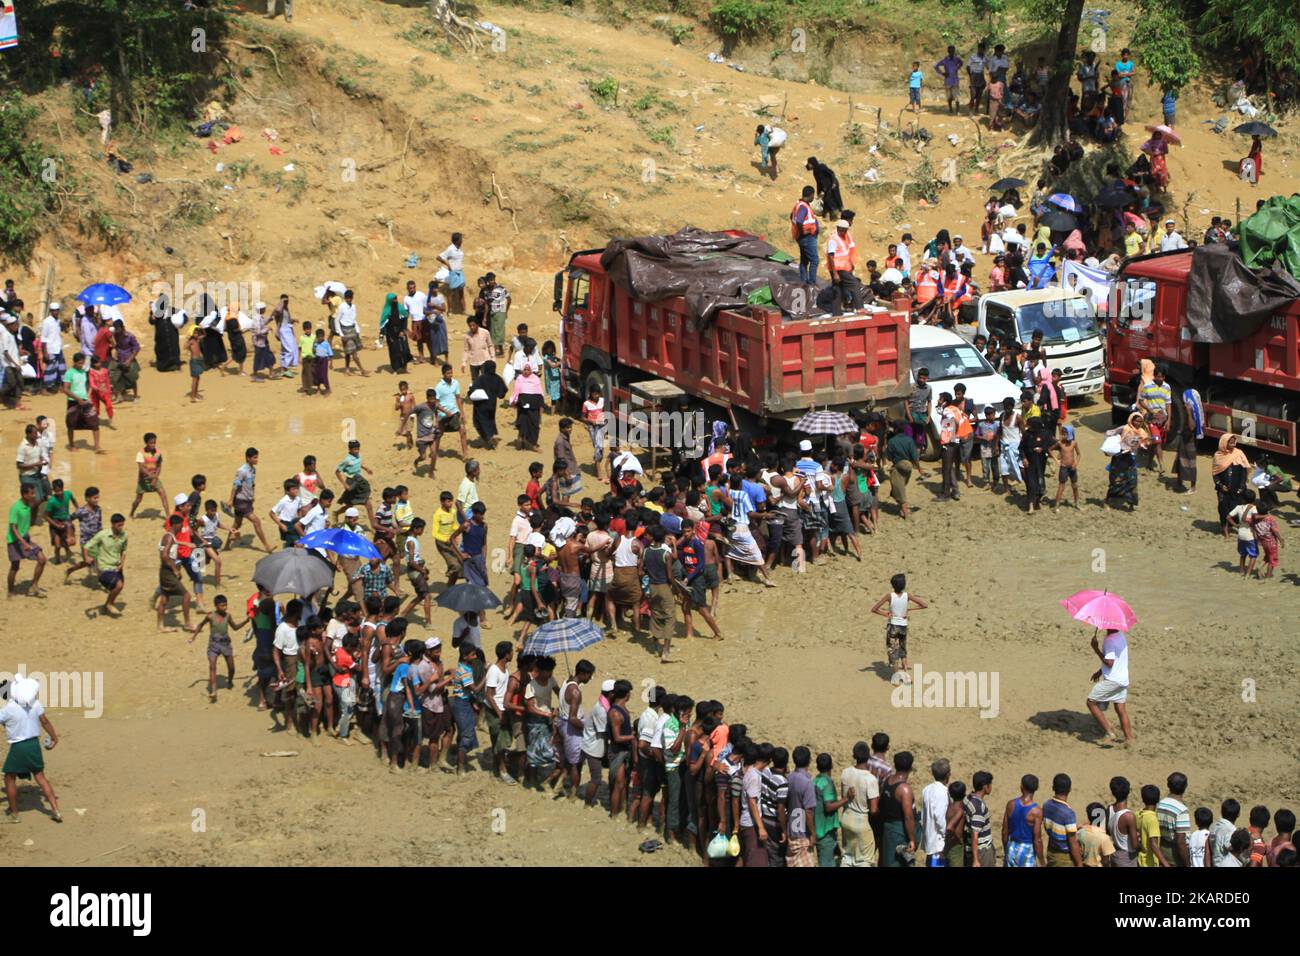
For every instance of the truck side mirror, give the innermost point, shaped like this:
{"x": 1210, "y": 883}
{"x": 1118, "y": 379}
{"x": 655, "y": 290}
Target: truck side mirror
{"x": 557, "y": 302}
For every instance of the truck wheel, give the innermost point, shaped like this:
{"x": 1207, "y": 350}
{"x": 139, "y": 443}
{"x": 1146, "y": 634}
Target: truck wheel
{"x": 606, "y": 382}
{"x": 931, "y": 452}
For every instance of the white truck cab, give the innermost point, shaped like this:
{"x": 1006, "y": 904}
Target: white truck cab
{"x": 1072, "y": 336}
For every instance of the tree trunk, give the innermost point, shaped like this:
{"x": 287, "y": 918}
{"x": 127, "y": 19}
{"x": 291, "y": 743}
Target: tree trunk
{"x": 1052, "y": 128}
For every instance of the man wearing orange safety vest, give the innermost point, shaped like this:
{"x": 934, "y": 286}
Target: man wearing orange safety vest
{"x": 956, "y": 291}
{"x": 846, "y": 288}
{"x": 926, "y": 284}
{"x": 955, "y": 425}
{"x": 803, "y": 230}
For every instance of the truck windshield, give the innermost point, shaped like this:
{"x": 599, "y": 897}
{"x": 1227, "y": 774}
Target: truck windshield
{"x": 1060, "y": 320}
{"x": 951, "y": 361}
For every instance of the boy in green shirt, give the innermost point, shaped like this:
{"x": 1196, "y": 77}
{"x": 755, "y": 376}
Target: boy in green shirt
{"x": 58, "y": 508}
{"x": 826, "y": 817}
{"x": 19, "y": 542}
{"x": 307, "y": 355}
{"x": 108, "y": 550}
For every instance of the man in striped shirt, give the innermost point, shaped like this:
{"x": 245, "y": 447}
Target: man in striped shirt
{"x": 1175, "y": 821}
{"x": 979, "y": 831}
{"x": 1061, "y": 825}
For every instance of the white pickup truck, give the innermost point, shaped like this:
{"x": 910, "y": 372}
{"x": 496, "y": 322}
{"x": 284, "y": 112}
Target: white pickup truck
{"x": 1071, "y": 333}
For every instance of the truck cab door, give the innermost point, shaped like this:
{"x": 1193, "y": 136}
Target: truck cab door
{"x": 1000, "y": 321}
{"x": 1131, "y": 338}
{"x": 576, "y": 314}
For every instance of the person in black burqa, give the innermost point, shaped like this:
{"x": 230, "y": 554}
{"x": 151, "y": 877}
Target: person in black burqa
{"x": 828, "y": 187}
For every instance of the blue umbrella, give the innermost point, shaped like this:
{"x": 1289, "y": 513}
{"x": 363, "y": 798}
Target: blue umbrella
{"x": 340, "y": 541}
{"x": 1065, "y": 201}
{"x": 563, "y": 635}
{"x": 104, "y": 293}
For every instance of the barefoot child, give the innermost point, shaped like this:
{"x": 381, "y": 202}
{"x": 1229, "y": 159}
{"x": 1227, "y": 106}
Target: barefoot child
{"x": 58, "y": 508}
{"x": 357, "y": 487}
{"x": 194, "y": 347}
{"x": 1268, "y": 537}
{"x": 1240, "y": 518}
{"x": 417, "y": 572}
{"x": 1067, "y": 457}
{"x": 148, "y": 462}
{"x": 107, "y": 549}
{"x": 210, "y": 528}
{"x": 404, "y": 404}
{"x": 90, "y": 519}
{"x": 220, "y": 624}
{"x": 101, "y": 389}
{"x": 899, "y": 603}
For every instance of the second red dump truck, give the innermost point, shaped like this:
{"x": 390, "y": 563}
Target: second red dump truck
{"x": 1248, "y": 387}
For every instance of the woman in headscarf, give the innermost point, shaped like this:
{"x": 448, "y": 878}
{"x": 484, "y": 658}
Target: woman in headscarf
{"x": 494, "y": 389}
{"x": 828, "y": 187}
{"x": 1133, "y": 435}
{"x": 235, "y": 332}
{"x": 166, "y": 340}
{"x": 1050, "y": 399}
{"x": 1230, "y": 469}
{"x": 392, "y": 328}
{"x": 1257, "y": 154}
{"x": 435, "y": 314}
{"x": 1156, "y": 149}
{"x": 526, "y": 396}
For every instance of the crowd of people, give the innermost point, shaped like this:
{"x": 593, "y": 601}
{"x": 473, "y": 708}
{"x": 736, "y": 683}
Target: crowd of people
{"x": 639, "y": 552}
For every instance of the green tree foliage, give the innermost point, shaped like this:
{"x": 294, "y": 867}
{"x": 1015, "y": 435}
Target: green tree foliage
{"x": 1165, "y": 43}
{"x": 150, "y": 60}
{"x": 1267, "y": 27}
{"x": 28, "y": 173}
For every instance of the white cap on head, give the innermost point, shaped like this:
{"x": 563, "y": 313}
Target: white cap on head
{"x": 24, "y": 691}
{"x": 352, "y": 513}
{"x": 842, "y": 224}
{"x": 433, "y": 642}
{"x": 1169, "y": 222}
{"x": 607, "y": 687}
{"x": 260, "y": 306}
{"x": 180, "y": 499}
{"x": 54, "y": 307}
{"x": 805, "y": 445}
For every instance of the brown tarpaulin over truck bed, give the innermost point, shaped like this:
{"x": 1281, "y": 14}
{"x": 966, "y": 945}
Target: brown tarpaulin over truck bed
{"x": 1226, "y": 301}
{"x": 711, "y": 270}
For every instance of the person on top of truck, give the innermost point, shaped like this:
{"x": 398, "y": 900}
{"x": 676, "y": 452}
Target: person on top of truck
{"x": 846, "y": 293}
{"x": 803, "y": 230}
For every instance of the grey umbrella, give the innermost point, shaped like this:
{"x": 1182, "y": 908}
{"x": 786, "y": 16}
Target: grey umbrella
{"x": 293, "y": 571}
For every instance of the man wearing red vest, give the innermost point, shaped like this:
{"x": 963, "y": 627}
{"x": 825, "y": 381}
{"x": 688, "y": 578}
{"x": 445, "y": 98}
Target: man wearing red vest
{"x": 803, "y": 230}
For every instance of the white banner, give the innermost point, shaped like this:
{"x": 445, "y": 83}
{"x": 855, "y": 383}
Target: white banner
{"x": 8, "y": 25}
{"x": 1095, "y": 283}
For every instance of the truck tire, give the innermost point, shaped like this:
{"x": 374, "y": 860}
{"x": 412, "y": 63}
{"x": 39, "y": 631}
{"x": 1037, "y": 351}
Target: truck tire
{"x": 598, "y": 376}
{"x": 931, "y": 452}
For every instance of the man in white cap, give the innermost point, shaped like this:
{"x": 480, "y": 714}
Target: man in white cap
{"x": 11, "y": 367}
{"x": 264, "y": 364}
{"x": 348, "y": 564}
{"x": 23, "y": 719}
{"x": 51, "y": 338}
{"x": 1171, "y": 240}
{"x": 847, "y": 292}
{"x": 593, "y": 740}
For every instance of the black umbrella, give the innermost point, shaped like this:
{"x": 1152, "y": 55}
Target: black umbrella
{"x": 1010, "y": 182}
{"x": 1255, "y": 128}
{"x": 1113, "y": 198}
{"x": 468, "y": 597}
{"x": 1058, "y": 220}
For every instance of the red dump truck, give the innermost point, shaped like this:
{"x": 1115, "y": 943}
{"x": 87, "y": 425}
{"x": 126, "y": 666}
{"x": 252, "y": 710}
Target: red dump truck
{"x": 1249, "y": 387}
{"x": 752, "y": 364}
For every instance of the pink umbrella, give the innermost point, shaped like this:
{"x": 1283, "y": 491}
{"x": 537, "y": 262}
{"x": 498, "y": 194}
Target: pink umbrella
{"x": 1166, "y": 132}
{"x": 1101, "y": 609}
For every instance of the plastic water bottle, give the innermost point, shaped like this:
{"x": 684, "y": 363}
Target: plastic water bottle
{"x": 47, "y": 742}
